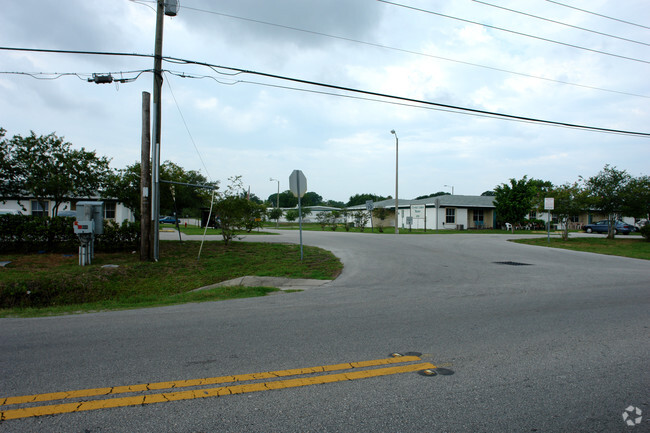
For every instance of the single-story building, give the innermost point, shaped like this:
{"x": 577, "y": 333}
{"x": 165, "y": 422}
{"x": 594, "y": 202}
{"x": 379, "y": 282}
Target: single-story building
{"x": 311, "y": 217}
{"x": 113, "y": 210}
{"x": 456, "y": 212}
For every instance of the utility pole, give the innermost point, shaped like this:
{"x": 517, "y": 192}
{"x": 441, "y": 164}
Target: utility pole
{"x": 157, "y": 113}
{"x": 169, "y": 8}
{"x": 145, "y": 180}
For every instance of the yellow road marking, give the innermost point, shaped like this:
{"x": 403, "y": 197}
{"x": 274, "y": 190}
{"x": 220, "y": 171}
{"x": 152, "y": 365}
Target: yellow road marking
{"x": 210, "y": 392}
{"x": 199, "y": 382}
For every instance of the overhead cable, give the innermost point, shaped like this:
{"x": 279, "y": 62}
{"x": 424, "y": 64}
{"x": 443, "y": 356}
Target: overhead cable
{"x": 561, "y": 23}
{"x": 417, "y": 53}
{"x": 597, "y": 14}
{"x": 633, "y": 59}
{"x": 418, "y": 101}
{"x": 178, "y": 60}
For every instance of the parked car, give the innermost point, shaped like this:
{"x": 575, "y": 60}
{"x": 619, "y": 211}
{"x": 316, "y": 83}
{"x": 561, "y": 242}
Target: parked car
{"x": 167, "y": 220}
{"x": 603, "y": 225}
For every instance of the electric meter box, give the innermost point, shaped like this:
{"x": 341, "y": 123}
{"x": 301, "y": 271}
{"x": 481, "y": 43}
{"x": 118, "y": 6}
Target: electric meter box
{"x": 92, "y": 211}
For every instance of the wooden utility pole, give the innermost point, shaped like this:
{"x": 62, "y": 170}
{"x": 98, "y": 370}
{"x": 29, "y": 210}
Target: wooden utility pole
{"x": 145, "y": 180}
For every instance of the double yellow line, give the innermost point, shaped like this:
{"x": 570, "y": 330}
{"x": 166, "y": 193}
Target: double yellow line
{"x": 368, "y": 369}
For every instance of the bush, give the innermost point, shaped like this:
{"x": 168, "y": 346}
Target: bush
{"x": 645, "y": 232}
{"x": 29, "y": 234}
{"x": 118, "y": 237}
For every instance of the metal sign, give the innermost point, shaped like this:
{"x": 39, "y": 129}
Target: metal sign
{"x": 549, "y": 203}
{"x": 370, "y": 205}
{"x": 298, "y": 183}
{"x": 409, "y": 220}
{"x": 417, "y": 211}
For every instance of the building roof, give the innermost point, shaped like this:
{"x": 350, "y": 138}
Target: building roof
{"x": 468, "y": 201}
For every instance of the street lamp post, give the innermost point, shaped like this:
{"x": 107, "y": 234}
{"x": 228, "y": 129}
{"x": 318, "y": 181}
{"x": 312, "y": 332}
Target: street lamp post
{"x": 452, "y": 188}
{"x": 396, "y": 179}
{"x": 277, "y": 202}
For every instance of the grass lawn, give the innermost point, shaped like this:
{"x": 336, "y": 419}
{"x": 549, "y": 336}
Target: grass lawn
{"x": 51, "y": 284}
{"x": 193, "y": 230}
{"x": 634, "y": 247}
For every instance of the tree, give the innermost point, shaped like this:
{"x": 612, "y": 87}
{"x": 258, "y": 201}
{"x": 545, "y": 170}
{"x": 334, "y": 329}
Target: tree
{"x": 8, "y": 187}
{"x": 254, "y": 215}
{"x": 358, "y": 199}
{"x": 48, "y": 168}
{"x": 287, "y": 199}
{"x": 540, "y": 189}
{"x": 637, "y": 198}
{"x": 607, "y": 194}
{"x": 334, "y": 203}
{"x": 124, "y": 185}
{"x": 232, "y": 209}
{"x": 311, "y": 199}
{"x": 435, "y": 194}
{"x": 292, "y": 214}
{"x": 513, "y": 202}
{"x": 275, "y": 213}
{"x": 361, "y": 218}
{"x": 488, "y": 193}
{"x": 187, "y": 200}
{"x": 570, "y": 200}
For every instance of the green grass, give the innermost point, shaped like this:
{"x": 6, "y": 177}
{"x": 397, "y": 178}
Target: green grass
{"x": 193, "y": 230}
{"x": 51, "y": 284}
{"x": 635, "y": 247}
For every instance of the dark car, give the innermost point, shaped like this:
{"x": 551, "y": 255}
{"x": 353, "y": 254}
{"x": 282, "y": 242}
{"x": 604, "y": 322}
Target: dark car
{"x": 167, "y": 220}
{"x": 603, "y": 226}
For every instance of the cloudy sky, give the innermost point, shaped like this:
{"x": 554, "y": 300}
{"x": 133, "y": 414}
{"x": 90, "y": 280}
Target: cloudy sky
{"x": 260, "y": 128}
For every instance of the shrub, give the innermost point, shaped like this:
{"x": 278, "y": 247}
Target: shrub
{"x": 645, "y": 232}
{"x": 28, "y": 234}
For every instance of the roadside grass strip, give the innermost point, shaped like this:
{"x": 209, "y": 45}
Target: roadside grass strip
{"x": 147, "y": 397}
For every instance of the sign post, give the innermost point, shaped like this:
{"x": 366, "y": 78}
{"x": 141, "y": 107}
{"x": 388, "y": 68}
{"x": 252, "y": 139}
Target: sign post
{"x": 298, "y": 186}
{"x": 549, "y": 205}
{"x": 418, "y": 212}
{"x": 370, "y": 205}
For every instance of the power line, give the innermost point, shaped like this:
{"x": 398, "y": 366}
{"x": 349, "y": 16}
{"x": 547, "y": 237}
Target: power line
{"x": 359, "y": 91}
{"x": 515, "y": 32}
{"x": 597, "y": 14}
{"x": 562, "y": 23}
{"x": 361, "y": 98}
{"x": 417, "y": 53}
{"x": 417, "y": 101}
{"x": 188, "y": 130}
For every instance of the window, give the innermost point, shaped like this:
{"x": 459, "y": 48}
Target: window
{"x": 478, "y": 215}
{"x": 451, "y": 215}
{"x": 574, "y": 218}
{"x": 40, "y": 208}
{"x": 109, "y": 211}
{"x": 532, "y": 215}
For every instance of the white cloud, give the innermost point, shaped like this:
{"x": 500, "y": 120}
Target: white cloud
{"x": 343, "y": 144}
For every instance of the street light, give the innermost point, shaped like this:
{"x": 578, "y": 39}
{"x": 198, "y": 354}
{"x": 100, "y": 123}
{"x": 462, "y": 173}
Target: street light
{"x": 277, "y": 202}
{"x": 452, "y": 188}
{"x": 396, "y": 178}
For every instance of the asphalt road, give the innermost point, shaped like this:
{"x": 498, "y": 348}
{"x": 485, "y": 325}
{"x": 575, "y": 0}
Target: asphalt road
{"x": 558, "y": 343}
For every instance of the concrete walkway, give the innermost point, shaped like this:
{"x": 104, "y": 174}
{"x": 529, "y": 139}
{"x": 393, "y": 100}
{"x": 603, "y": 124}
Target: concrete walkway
{"x": 278, "y": 282}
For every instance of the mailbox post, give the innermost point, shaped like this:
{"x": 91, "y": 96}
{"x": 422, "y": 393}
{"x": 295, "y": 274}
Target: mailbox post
{"x": 89, "y": 222}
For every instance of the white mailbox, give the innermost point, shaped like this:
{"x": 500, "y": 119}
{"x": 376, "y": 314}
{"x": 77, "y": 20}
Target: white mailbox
{"x": 91, "y": 211}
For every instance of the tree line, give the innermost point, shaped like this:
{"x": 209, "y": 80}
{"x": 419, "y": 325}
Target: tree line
{"x": 612, "y": 192}
{"x": 47, "y": 167}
